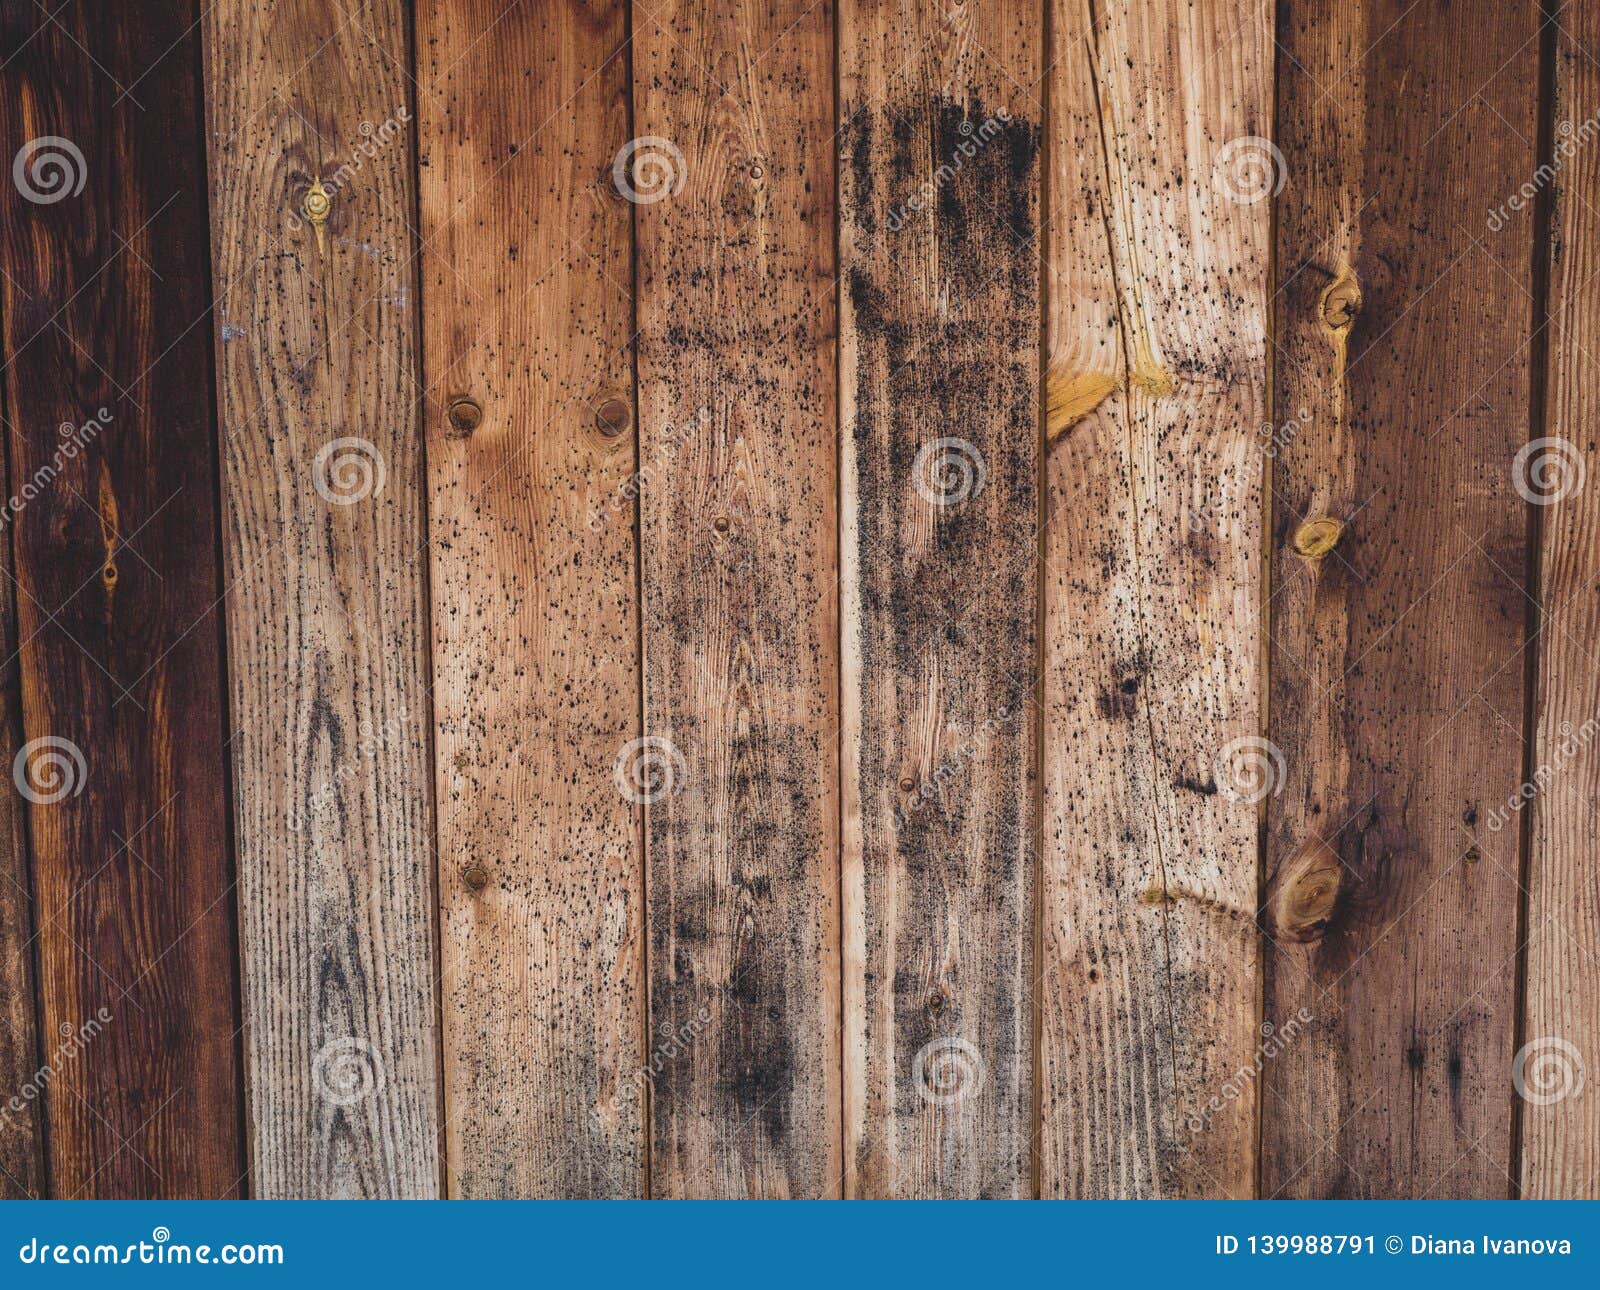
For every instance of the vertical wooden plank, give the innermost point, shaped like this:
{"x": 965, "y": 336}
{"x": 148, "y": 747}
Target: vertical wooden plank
{"x": 22, "y": 1119}
{"x": 1398, "y": 599}
{"x": 527, "y": 319}
{"x": 105, "y": 301}
{"x": 1158, "y": 318}
{"x": 322, "y": 490}
{"x": 939, "y": 374}
{"x": 732, "y": 173}
{"x": 1560, "y": 1040}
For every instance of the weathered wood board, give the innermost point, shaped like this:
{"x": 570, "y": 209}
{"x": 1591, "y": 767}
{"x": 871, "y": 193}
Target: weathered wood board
{"x": 1399, "y": 606}
{"x": 104, "y": 295}
{"x": 526, "y": 285}
{"x": 1158, "y": 256}
{"x": 316, "y": 337}
{"x": 732, "y": 172}
{"x": 939, "y": 146}
{"x": 1560, "y": 1039}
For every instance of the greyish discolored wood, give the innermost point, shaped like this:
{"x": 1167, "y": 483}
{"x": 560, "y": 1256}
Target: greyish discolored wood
{"x": 1398, "y": 553}
{"x": 323, "y": 516}
{"x": 526, "y": 306}
{"x": 939, "y": 378}
{"x": 1158, "y": 308}
{"x": 1561, "y": 1026}
{"x": 738, "y": 431}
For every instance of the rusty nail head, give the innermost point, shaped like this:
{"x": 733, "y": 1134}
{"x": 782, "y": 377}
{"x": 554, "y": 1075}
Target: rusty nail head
{"x": 465, "y": 415}
{"x": 611, "y": 417}
{"x": 476, "y": 877}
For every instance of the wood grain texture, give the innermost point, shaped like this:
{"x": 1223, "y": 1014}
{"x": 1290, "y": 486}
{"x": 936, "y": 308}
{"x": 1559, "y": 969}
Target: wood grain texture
{"x": 105, "y": 299}
{"x": 1398, "y": 611}
{"x": 1560, "y": 1156}
{"x": 526, "y": 306}
{"x": 22, "y": 1106}
{"x": 939, "y": 378}
{"x": 739, "y": 545}
{"x": 1158, "y": 313}
{"x": 323, "y": 517}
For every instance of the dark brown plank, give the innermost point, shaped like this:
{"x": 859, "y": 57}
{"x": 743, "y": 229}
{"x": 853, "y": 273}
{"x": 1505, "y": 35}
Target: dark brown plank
{"x": 22, "y": 1174}
{"x": 738, "y": 429}
{"x": 323, "y": 517}
{"x": 105, "y": 307}
{"x": 1398, "y": 613}
{"x": 939, "y": 379}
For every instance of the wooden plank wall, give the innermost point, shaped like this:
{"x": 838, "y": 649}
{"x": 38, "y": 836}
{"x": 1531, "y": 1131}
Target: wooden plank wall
{"x": 901, "y": 599}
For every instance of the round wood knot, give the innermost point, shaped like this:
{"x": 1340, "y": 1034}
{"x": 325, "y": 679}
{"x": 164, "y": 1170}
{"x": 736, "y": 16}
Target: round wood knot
{"x": 722, "y": 524}
{"x": 1340, "y": 302}
{"x": 1316, "y": 537}
{"x": 907, "y": 783}
{"x": 611, "y": 418}
{"x": 1304, "y": 892}
{"x": 464, "y": 415}
{"x": 476, "y": 877}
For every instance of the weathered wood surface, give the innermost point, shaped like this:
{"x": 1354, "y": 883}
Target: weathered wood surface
{"x": 1560, "y": 1037}
{"x": 526, "y": 280}
{"x": 939, "y": 378}
{"x": 323, "y": 517}
{"x": 104, "y": 298}
{"x": 738, "y": 429}
{"x": 22, "y": 1122}
{"x": 1399, "y": 608}
{"x": 1158, "y": 256}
